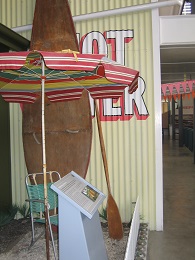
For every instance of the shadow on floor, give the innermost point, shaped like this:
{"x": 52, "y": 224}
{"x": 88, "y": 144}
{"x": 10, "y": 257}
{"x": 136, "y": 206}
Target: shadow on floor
{"x": 177, "y": 241}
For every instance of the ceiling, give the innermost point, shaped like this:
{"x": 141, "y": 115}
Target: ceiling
{"x": 177, "y": 61}
{"x": 170, "y": 10}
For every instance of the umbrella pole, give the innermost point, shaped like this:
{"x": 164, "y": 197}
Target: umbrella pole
{"x": 44, "y": 159}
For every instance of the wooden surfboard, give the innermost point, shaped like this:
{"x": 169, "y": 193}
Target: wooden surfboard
{"x": 68, "y": 136}
{"x": 68, "y": 124}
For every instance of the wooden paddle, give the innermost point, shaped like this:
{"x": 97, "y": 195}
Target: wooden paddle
{"x": 115, "y": 226}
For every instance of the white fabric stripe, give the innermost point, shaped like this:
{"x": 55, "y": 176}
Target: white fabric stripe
{"x": 105, "y": 92}
{"x": 10, "y": 66}
{"x": 64, "y": 95}
{"x": 99, "y": 93}
{"x": 63, "y": 99}
{"x": 19, "y": 100}
{"x": 128, "y": 81}
{"x": 120, "y": 73}
{"x": 18, "y": 96}
{"x": 110, "y": 96}
{"x": 76, "y": 66}
{"x": 79, "y": 59}
{"x": 13, "y": 58}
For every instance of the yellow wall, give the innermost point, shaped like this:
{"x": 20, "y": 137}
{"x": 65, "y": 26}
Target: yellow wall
{"x": 130, "y": 145}
{"x": 15, "y": 13}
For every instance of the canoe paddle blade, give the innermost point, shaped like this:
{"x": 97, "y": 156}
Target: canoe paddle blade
{"x": 115, "y": 227}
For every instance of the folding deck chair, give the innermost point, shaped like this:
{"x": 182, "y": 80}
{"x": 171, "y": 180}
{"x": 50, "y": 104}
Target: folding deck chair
{"x": 35, "y": 189}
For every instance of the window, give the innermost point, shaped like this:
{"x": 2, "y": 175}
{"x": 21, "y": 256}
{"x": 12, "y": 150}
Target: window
{"x": 187, "y": 8}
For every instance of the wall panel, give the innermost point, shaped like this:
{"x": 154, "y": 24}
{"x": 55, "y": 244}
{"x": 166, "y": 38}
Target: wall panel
{"x": 15, "y": 13}
{"x": 130, "y": 144}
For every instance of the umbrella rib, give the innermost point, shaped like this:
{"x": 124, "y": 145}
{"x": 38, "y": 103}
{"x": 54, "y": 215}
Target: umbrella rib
{"x": 22, "y": 74}
{"x": 68, "y": 77}
{"x": 55, "y": 74}
{"x": 35, "y": 73}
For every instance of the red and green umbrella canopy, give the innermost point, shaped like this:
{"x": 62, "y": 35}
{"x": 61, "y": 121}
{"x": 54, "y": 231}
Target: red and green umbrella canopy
{"x": 66, "y": 75}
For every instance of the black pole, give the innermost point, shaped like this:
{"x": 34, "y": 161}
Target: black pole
{"x": 173, "y": 118}
{"x": 180, "y": 122}
{"x": 194, "y": 129}
{"x": 192, "y": 6}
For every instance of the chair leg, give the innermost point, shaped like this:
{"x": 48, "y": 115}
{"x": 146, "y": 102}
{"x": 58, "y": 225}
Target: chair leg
{"x": 33, "y": 230}
{"x": 52, "y": 239}
{"x": 33, "y": 240}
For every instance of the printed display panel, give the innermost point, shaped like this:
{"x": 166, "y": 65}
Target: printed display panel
{"x": 80, "y": 193}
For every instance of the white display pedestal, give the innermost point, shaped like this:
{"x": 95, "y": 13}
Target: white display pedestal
{"x": 80, "y": 233}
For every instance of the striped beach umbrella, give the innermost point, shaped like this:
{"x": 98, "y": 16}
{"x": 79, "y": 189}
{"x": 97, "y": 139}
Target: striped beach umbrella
{"x": 65, "y": 76}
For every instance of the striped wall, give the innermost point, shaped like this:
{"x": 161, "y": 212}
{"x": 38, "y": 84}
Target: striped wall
{"x": 130, "y": 144}
{"x": 15, "y": 13}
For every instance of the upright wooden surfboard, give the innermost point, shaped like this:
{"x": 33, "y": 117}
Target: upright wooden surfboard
{"x": 68, "y": 124}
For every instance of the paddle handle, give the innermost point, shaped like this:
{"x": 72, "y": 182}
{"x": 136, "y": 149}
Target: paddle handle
{"x": 103, "y": 150}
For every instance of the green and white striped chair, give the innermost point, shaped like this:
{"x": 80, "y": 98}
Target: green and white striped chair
{"x": 35, "y": 190}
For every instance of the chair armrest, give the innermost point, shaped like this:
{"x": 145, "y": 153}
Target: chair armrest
{"x": 34, "y": 200}
{"x": 37, "y": 200}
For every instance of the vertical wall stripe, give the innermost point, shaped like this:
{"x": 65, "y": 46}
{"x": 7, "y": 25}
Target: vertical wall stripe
{"x": 18, "y": 167}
